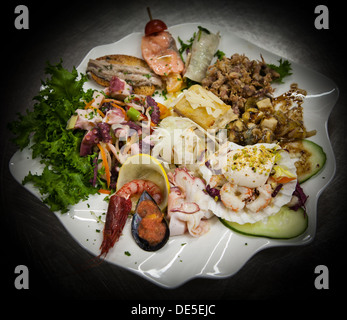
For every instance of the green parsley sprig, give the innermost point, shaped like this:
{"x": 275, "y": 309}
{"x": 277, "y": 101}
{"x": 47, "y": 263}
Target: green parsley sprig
{"x": 284, "y": 69}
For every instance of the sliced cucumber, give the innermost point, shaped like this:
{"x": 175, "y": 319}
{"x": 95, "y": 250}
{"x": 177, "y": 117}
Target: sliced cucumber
{"x": 311, "y": 158}
{"x": 285, "y": 224}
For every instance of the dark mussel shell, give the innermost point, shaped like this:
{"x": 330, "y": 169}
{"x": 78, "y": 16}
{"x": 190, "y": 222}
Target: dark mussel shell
{"x": 135, "y": 223}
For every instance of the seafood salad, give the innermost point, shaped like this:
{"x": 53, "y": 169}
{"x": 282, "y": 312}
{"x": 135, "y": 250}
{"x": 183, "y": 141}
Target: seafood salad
{"x": 251, "y": 182}
{"x": 174, "y": 138}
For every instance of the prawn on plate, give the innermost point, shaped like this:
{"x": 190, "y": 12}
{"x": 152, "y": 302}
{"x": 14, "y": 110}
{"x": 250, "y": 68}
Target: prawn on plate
{"x": 116, "y": 217}
{"x": 263, "y": 199}
{"x": 138, "y": 186}
{"x": 119, "y": 208}
{"x": 236, "y": 197}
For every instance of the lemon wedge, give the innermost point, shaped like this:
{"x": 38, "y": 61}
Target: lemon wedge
{"x": 146, "y": 167}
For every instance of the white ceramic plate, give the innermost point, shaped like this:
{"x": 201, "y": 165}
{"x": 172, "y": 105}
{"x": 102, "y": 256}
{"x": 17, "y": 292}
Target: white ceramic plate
{"x": 221, "y": 252}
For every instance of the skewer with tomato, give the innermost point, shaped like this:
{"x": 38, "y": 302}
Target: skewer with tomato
{"x": 160, "y": 52}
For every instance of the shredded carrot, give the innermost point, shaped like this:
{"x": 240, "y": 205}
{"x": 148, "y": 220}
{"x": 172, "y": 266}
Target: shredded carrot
{"x": 104, "y": 160}
{"x": 164, "y": 111}
{"x": 114, "y": 103}
{"x": 284, "y": 179}
{"x": 104, "y": 191}
{"x": 118, "y": 102}
{"x": 89, "y": 106}
{"x": 99, "y": 112}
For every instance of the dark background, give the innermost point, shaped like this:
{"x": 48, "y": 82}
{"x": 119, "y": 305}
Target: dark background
{"x": 32, "y": 235}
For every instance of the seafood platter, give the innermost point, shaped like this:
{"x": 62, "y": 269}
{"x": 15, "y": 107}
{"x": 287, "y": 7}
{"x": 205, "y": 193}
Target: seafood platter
{"x": 179, "y": 152}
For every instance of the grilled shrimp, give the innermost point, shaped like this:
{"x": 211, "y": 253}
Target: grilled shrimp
{"x": 235, "y": 197}
{"x": 262, "y": 200}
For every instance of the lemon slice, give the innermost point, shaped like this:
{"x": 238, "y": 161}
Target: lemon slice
{"x": 146, "y": 167}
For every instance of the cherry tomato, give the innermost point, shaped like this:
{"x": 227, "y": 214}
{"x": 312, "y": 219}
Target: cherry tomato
{"x": 154, "y": 26}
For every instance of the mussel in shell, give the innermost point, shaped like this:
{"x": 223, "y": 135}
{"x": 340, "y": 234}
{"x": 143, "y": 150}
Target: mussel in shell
{"x": 149, "y": 228}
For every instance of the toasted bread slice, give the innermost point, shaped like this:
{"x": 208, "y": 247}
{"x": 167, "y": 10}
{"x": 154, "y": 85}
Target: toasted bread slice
{"x": 125, "y": 60}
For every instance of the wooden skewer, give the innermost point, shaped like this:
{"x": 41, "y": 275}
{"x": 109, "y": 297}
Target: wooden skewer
{"x": 149, "y": 13}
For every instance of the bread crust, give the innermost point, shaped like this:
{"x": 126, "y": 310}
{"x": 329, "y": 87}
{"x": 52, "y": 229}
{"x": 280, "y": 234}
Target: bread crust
{"x": 129, "y": 61}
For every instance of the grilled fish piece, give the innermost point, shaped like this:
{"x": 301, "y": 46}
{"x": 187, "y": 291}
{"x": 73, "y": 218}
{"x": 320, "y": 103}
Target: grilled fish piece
{"x": 133, "y": 70}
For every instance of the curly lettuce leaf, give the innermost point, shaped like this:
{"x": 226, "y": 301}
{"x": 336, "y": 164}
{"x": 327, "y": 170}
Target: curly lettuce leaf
{"x": 65, "y": 179}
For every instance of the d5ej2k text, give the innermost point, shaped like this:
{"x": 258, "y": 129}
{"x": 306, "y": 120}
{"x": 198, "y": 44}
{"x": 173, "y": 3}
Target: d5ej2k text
{"x": 178, "y": 309}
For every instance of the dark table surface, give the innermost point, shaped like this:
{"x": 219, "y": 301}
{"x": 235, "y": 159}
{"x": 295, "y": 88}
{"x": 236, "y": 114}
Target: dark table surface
{"x": 33, "y": 235}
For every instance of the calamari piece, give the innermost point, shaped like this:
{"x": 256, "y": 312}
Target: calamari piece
{"x": 114, "y": 116}
{"x": 98, "y": 97}
{"x": 188, "y": 204}
{"x": 193, "y": 222}
{"x": 84, "y": 119}
{"x": 180, "y": 140}
{"x": 175, "y": 200}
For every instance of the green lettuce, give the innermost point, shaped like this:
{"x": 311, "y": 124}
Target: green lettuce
{"x": 66, "y": 177}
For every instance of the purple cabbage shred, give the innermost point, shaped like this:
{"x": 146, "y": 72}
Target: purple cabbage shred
{"x": 301, "y": 196}
{"x": 277, "y": 190}
{"x": 213, "y": 192}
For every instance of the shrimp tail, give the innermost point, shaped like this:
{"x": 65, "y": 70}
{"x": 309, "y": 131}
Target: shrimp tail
{"x": 116, "y": 217}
